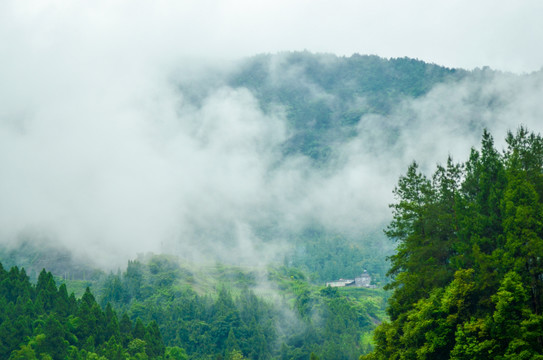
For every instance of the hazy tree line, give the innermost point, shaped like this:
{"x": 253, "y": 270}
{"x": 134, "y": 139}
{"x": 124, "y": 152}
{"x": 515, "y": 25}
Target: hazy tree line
{"x": 467, "y": 275}
{"x": 307, "y": 319}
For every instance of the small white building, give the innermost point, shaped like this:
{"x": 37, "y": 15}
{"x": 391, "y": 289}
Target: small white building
{"x": 341, "y": 283}
{"x": 364, "y": 280}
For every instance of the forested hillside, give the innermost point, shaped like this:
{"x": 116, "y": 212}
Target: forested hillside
{"x": 271, "y": 314}
{"x": 467, "y": 274}
{"x": 42, "y": 321}
{"x": 324, "y": 95}
{"x": 219, "y": 313}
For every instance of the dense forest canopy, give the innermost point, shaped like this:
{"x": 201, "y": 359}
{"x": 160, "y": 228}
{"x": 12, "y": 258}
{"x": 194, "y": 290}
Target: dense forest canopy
{"x": 41, "y": 321}
{"x": 467, "y": 274}
{"x": 172, "y": 312}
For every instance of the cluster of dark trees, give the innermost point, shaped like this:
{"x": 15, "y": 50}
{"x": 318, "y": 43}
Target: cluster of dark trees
{"x": 201, "y": 324}
{"x": 42, "y": 321}
{"x": 467, "y": 274}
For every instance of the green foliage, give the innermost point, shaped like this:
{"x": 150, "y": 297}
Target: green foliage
{"x": 53, "y": 343}
{"x": 225, "y": 319}
{"x": 43, "y": 322}
{"x": 175, "y": 353}
{"x": 201, "y": 324}
{"x": 468, "y": 271}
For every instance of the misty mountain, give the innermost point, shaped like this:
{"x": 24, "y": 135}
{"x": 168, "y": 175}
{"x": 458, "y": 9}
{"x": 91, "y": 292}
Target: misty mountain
{"x": 325, "y": 96}
{"x": 298, "y": 111}
{"x": 287, "y": 158}
{"x": 334, "y": 106}
{"x": 326, "y": 100}
{"x": 329, "y": 100}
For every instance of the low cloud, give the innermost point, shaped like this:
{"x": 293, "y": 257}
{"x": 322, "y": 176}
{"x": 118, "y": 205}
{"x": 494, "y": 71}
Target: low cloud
{"x": 102, "y": 151}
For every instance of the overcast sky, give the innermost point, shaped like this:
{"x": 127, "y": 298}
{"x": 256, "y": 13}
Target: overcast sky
{"x": 502, "y": 34}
